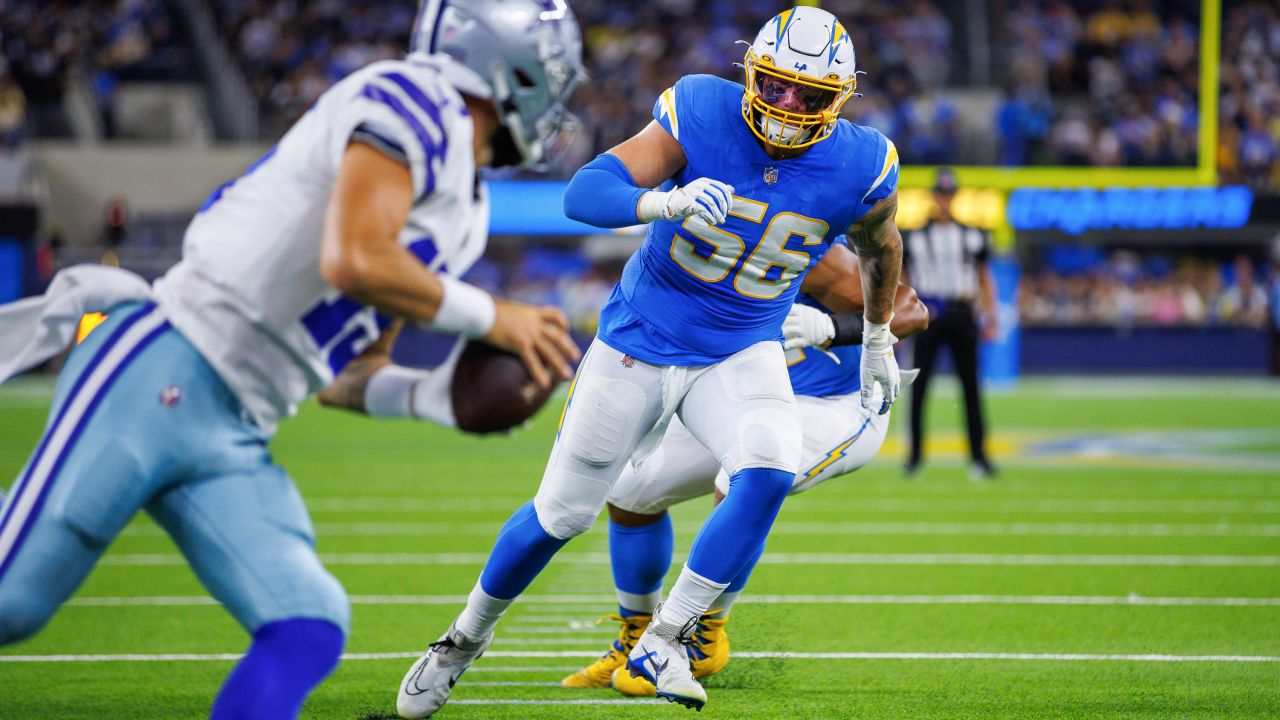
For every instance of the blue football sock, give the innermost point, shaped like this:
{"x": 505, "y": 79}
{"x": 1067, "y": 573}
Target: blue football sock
{"x": 522, "y": 550}
{"x": 286, "y": 660}
{"x": 740, "y": 580}
{"x": 736, "y": 530}
{"x": 641, "y": 556}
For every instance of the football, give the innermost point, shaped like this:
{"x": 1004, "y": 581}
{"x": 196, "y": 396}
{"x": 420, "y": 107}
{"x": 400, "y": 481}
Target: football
{"x": 492, "y": 390}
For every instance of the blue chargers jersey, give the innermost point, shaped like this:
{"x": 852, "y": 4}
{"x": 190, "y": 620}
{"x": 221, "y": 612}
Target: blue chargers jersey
{"x": 814, "y": 373}
{"x": 694, "y": 294}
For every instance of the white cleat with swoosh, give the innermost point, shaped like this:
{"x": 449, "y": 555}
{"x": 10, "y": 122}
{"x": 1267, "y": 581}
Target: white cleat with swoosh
{"x": 425, "y": 688}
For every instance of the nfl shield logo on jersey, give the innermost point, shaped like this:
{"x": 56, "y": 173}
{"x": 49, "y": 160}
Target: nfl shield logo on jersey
{"x": 770, "y": 175}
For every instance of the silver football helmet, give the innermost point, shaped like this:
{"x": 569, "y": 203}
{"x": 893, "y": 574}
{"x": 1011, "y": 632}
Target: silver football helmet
{"x": 525, "y": 55}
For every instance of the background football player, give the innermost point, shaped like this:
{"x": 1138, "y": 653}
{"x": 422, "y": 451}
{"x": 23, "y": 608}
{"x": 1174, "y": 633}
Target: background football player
{"x": 369, "y": 208}
{"x": 764, "y": 179}
{"x": 840, "y": 436}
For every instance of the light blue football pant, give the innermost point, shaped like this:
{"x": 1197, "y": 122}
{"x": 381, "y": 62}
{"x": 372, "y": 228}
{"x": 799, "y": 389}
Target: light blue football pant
{"x": 140, "y": 420}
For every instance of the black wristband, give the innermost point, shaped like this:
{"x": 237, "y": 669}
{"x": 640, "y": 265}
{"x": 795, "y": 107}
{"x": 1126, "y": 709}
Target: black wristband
{"x": 848, "y": 329}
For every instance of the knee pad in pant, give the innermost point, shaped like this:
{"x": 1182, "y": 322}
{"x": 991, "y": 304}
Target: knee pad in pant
{"x": 768, "y": 437}
{"x": 569, "y": 503}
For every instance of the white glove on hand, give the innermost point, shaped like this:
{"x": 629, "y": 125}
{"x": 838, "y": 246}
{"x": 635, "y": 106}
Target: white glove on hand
{"x": 709, "y": 199}
{"x": 879, "y": 366}
{"x": 806, "y": 327}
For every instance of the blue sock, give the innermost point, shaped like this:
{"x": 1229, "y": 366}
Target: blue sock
{"x": 522, "y": 550}
{"x": 740, "y": 580}
{"x": 641, "y": 556}
{"x": 736, "y": 530}
{"x": 286, "y": 660}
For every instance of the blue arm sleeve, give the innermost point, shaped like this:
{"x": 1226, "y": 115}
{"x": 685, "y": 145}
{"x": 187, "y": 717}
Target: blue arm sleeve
{"x": 603, "y": 193}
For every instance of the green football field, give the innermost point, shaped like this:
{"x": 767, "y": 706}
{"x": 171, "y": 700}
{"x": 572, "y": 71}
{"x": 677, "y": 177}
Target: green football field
{"x": 1126, "y": 564}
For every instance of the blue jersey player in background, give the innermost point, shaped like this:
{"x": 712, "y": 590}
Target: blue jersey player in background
{"x": 840, "y": 437}
{"x": 766, "y": 179}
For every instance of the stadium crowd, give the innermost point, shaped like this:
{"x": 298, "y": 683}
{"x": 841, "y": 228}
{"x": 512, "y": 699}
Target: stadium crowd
{"x": 1128, "y": 290}
{"x": 1249, "y": 104}
{"x": 1087, "y": 82}
{"x": 1105, "y": 83}
{"x": 292, "y": 50}
{"x": 44, "y": 41}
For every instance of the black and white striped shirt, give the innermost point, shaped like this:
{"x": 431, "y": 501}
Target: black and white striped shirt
{"x": 943, "y": 260}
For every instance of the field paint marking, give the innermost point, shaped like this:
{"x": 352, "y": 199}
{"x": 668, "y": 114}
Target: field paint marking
{"x": 1062, "y": 529}
{"x": 812, "y": 527}
{"x": 757, "y": 655}
{"x": 1030, "y": 559}
{"x": 523, "y": 668}
{"x": 512, "y": 683}
{"x": 171, "y": 559}
{"x": 340, "y": 503}
{"x": 573, "y": 629}
{"x": 1055, "y": 657}
{"x": 511, "y": 701}
{"x": 857, "y": 505}
{"x": 592, "y": 603}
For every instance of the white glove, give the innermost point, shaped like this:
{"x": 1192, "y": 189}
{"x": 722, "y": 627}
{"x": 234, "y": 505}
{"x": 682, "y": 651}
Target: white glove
{"x": 879, "y": 366}
{"x": 806, "y": 327}
{"x": 709, "y": 199}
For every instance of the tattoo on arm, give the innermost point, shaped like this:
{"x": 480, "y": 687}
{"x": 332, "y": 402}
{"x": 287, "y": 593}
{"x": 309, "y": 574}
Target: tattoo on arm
{"x": 876, "y": 238}
{"x": 346, "y": 392}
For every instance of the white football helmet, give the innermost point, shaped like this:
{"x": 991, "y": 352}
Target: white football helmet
{"x": 803, "y": 46}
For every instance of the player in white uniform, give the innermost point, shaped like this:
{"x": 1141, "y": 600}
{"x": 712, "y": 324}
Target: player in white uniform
{"x": 368, "y": 209}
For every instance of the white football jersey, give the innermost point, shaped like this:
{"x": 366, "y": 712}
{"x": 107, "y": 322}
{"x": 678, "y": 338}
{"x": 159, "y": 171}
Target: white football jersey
{"x": 248, "y": 292}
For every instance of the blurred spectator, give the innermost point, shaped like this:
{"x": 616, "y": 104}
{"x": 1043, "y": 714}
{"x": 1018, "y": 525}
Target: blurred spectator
{"x": 13, "y": 112}
{"x": 1249, "y": 104}
{"x": 1245, "y": 302}
{"x": 44, "y": 40}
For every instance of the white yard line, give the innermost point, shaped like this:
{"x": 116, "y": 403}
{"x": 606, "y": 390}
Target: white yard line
{"x": 910, "y": 503}
{"x": 512, "y": 701}
{"x": 597, "y": 603}
{"x": 1002, "y": 559}
{"x": 815, "y": 527}
{"x": 511, "y": 684}
{"x": 745, "y": 655}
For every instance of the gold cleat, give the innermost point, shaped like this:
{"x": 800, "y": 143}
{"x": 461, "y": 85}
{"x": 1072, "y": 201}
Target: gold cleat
{"x": 599, "y": 674}
{"x": 708, "y": 654}
{"x": 709, "y": 651}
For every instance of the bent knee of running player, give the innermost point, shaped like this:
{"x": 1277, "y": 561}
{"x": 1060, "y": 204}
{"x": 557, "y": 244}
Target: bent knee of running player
{"x": 610, "y": 408}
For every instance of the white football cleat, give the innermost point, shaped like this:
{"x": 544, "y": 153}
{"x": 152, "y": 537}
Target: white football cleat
{"x": 425, "y": 688}
{"x": 660, "y": 657}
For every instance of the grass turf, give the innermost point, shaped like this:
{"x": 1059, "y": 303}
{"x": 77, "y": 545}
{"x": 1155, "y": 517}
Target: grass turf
{"x": 1203, "y": 481}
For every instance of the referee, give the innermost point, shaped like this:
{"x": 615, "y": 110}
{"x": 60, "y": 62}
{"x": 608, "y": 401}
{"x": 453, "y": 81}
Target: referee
{"x": 948, "y": 266}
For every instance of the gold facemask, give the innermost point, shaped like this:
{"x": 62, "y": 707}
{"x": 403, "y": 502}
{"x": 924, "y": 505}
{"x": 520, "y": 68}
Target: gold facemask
{"x": 794, "y": 129}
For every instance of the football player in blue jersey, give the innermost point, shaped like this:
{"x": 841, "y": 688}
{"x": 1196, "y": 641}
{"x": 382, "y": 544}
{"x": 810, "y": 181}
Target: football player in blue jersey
{"x": 840, "y": 437}
{"x": 763, "y": 180}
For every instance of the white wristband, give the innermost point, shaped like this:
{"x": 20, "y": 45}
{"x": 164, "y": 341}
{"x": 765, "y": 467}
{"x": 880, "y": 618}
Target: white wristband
{"x": 877, "y": 335}
{"x": 396, "y": 391}
{"x": 464, "y": 310}
{"x": 389, "y": 393}
{"x": 652, "y": 206}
